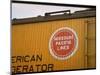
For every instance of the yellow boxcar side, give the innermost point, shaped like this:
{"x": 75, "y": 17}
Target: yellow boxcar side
{"x": 33, "y": 39}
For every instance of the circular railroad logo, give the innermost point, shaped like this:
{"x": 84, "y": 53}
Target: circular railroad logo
{"x": 63, "y": 43}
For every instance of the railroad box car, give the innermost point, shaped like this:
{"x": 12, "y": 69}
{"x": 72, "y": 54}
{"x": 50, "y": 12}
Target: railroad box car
{"x": 54, "y": 42}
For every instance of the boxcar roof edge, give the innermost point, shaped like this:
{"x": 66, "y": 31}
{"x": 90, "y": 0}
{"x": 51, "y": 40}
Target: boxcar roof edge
{"x": 75, "y": 15}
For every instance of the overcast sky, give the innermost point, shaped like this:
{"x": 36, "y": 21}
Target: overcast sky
{"x": 32, "y": 10}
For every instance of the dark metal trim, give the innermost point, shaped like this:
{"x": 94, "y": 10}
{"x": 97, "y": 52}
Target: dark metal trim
{"x": 77, "y": 14}
{"x": 55, "y": 71}
{"x": 55, "y": 4}
{"x": 65, "y": 12}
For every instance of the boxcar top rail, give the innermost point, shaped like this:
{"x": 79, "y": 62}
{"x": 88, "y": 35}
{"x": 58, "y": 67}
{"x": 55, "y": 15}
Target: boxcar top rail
{"x": 49, "y": 17}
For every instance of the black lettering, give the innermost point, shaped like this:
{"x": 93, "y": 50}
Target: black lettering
{"x": 31, "y": 69}
{"x": 32, "y": 59}
{"x": 44, "y": 67}
{"x": 13, "y": 59}
{"x": 39, "y": 58}
{"x": 25, "y": 68}
{"x": 38, "y": 66}
{"x": 26, "y": 59}
{"x": 50, "y": 67}
{"x": 18, "y": 69}
{"x": 36, "y": 58}
{"x": 18, "y": 59}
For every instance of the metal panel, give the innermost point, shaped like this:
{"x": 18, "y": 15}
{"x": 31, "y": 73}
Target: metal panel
{"x": 91, "y": 44}
{"x": 33, "y": 39}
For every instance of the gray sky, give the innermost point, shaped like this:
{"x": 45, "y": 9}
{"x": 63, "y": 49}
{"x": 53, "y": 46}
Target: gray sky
{"x": 33, "y": 10}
